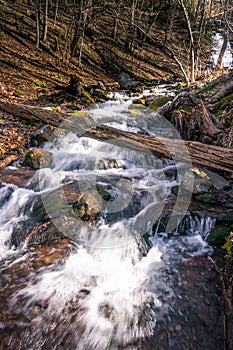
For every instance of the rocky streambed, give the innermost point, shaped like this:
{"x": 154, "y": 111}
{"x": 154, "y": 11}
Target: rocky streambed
{"x": 106, "y": 247}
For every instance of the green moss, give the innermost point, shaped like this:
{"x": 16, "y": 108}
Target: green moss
{"x": 37, "y": 84}
{"x": 142, "y": 101}
{"x": 159, "y": 102}
{"x": 136, "y": 105}
{"x": 86, "y": 96}
{"x": 228, "y": 259}
{"x": 135, "y": 111}
{"x": 206, "y": 88}
{"x": 205, "y": 197}
{"x": 73, "y": 106}
{"x": 11, "y": 62}
{"x": 104, "y": 194}
{"x": 218, "y": 234}
{"x": 222, "y": 105}
{"x": 18, "y": 94}
{"x": 81, "y": 113}
{"x": 229, "y": 245}
{"x": 100, "y": 96}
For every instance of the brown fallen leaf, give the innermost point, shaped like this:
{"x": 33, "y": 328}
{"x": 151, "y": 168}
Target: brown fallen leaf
{"x": 7, "y": 160}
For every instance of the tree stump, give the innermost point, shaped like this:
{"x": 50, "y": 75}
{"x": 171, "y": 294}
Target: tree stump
{"x": 75, "y": 88}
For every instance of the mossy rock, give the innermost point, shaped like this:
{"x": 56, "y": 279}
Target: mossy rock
{"x": 68, "y": 201}
{"x": 208, "y": 197}
{"x": 81, "y": 114}
{"x": 38, "y": 158}
{"x": 147, "y": 82}
{"x": 134, "y": 112}
{"x": 88, "y": 206}
{"x": 218, "y": 235}
{"x": 138, "y": 106}
{"x": 103, "y": 192}
{"x": 222, "y": 104}
{"x": 140, "y": 102}
{"x": 159, "y": 102}
{"x": 73, "y": 106}
{"x": 172, "y": 88}
{"x": 86, "y": 96}
{"x": 100, "y": 96}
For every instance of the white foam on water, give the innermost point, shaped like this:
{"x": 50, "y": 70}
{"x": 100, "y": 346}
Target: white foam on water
{"x": 12, "y": 212}
{"x": 118, "y": 291}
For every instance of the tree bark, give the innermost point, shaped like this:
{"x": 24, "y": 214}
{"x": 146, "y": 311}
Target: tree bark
{"x": 222, "y": 51}
{"x": 56, "y": 12}
{"x": 217, "y": 158}
{"x": 37, "y": 5}
{"x": 45, "y": 26}
{"x": 192, "y": 52}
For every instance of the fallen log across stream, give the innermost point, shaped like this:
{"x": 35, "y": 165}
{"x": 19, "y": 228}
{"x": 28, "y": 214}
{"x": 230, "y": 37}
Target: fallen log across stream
{"x": 210, "y": 156}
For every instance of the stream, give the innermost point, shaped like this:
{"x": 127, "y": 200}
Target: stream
{"x": 136, "y": 277}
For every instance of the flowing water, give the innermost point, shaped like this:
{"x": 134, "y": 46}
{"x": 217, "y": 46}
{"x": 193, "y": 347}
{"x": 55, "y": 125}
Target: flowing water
{"x": 227, "y": 57}
{"x": 136, "y": 278}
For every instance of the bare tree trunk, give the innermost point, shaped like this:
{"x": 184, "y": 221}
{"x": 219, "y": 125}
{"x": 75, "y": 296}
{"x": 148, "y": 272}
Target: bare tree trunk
{"x": 115, "y": 28}
{"x": 85, "y": 16}
{"x": 45, "y": 26}
{"x": 223, "y": 50}
{"x": 192, "y": 49}
{"x": 37, "y": 6}
{"x": 78, "y": 27}
{"x": 56, "y": 12}
{"x": 134, "y": 6}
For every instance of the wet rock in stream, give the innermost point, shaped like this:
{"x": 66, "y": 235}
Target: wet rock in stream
{"x": 38, "y": 158}
{"x": 18, "y": 177}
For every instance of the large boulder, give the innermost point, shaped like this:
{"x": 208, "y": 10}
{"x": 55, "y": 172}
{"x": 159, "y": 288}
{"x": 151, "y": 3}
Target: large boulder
{"x": 208, "y": 187}
{"x": 199, "y": 180}
{"x": 68, "y": 201}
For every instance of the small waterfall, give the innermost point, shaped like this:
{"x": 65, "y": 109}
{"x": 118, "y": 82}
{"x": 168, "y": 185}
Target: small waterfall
{"x": 112, "y": 291}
